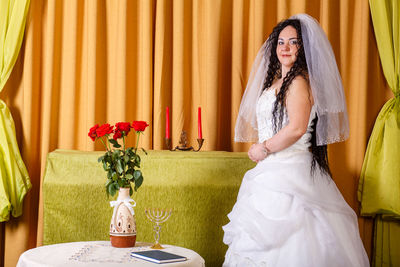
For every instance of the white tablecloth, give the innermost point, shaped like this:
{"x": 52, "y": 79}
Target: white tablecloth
{"x": 97, "y": 254}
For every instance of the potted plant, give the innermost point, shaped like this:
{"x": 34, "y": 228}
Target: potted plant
{"x": 122, "y": 167}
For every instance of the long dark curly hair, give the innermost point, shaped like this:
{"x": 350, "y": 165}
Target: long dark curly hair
{"x": 299, "y": 68}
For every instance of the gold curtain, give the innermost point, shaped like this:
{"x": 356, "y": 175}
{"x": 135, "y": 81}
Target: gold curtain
{"x": 87, "y": 62}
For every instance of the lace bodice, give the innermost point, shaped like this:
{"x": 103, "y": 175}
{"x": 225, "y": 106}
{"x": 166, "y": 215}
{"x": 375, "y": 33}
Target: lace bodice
{"x": 265, "y": 105}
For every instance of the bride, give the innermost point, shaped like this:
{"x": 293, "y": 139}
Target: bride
{"x": 289, "y": 211}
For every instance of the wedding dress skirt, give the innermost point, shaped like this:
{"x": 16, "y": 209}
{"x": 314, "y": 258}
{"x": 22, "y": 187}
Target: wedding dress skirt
{"x": 286, "y": 217}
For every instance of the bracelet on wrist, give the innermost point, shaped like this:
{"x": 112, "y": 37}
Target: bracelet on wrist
{"x": 268, "y": 151}
{"x": 265, "y": 151}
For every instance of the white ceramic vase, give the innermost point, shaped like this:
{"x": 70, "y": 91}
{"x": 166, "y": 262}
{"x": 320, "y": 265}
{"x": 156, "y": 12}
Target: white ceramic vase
{"x": 123, "y": 223}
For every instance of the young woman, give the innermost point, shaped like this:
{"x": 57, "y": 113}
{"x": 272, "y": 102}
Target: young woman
{"x": 289, "y": 211}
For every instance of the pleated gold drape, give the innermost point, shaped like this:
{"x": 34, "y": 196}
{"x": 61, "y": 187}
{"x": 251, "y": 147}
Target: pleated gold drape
{"x": 87, "y": 62}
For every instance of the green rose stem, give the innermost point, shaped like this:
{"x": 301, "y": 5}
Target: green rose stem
{"x": 123, "y": 139}
{"x": 101, "y": 139}
{"x": 123, "y": 153}
{"x": 137, "y": 141}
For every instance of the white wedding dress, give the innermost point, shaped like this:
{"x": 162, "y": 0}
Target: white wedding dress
{"x": 286, "y": 217}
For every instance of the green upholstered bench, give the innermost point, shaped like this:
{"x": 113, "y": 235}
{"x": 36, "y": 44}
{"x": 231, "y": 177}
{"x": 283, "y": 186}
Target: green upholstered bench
{"x": 200, "y": 187}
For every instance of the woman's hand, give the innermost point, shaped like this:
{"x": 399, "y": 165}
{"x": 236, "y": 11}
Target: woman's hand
{"x": 257, "y": 152}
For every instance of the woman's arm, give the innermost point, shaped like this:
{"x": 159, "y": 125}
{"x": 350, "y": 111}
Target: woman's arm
{"x": 298, "y": 105}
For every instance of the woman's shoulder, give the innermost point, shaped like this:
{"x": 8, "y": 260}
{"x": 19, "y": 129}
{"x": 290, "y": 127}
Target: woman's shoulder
{"x": 301, "y": 82}
{"x": 300, "y": 86}
{"x": 302, "y": 75}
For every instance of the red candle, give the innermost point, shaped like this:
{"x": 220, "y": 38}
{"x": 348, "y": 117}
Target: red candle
{"x": 167, "y": 124}
{"x": 200, "y": 134}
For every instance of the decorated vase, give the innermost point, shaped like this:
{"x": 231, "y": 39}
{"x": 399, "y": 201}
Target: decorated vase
{"x": 123, "y": 223}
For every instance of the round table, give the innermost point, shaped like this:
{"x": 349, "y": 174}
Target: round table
{"x": 99, "y": 253}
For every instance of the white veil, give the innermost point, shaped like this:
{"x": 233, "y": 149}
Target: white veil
{"x": 325, "y": 82}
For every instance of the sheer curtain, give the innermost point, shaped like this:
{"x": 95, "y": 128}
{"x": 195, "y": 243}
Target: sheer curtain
{"x": 87, "y": 62}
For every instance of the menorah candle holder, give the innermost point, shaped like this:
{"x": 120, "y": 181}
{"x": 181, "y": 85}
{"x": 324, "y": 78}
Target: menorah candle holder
{"x": 157, "y": 216}
{"x": 183, "y": 143}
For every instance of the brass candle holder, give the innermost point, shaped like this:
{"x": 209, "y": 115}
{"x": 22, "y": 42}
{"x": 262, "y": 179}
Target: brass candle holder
{"x": 183, "y": 143}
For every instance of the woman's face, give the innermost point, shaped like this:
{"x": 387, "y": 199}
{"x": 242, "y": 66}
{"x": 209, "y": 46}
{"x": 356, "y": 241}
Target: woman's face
{"x": 287, "y": 46}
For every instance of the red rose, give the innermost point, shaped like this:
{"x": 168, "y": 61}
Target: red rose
{"x": 92, "y": 132}
{"x": 139, "y": 126}
{"x": 104, "y": 130}
{"x": 123, "y": 127}
{"x": 117, "y": 135}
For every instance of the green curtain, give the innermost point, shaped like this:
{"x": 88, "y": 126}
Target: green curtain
{"x": 379, "y": 187}
{"x": 14, "y": 179}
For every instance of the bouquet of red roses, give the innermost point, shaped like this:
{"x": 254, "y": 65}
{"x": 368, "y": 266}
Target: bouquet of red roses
{"x": 121, "y": 164}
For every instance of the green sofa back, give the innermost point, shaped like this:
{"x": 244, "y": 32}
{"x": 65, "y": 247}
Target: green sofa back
{"x": 200, "y": 187}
